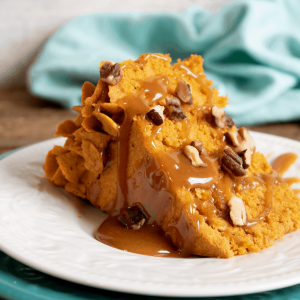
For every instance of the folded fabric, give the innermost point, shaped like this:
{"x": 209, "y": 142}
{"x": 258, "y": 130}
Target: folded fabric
{"x": 251, "y": 50}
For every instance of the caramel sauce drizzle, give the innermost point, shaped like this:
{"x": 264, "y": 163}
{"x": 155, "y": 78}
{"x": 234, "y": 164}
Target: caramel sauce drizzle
{"x": 280, "y": 165}
{"x": 154, "y": 178}
{"x": 283, "y": 162}
{"x": 182, "y": 174}
{"x": 153, "y": 185}
{"x": 151, "y": 239}
{"x": 291, "y": 180}
{"x": 296, "y": 191}
{"x": 207, "y": 91}
{"x": 269, "y": 181}
{"x": 152, "y": 90}
{"x": 143, "y": 62}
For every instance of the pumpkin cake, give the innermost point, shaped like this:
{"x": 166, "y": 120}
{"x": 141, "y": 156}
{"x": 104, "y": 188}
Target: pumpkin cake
{"x": 151, "y": 144}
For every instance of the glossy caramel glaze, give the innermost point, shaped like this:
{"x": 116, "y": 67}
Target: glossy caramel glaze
{"x": 156, "y": 178}
{"x": 152, "y": 90}
{"x": 283, "y": 162}
{"x": 148, "y": 240}
{"x": 269, "y": 181}
{"x": 296, "y": 191}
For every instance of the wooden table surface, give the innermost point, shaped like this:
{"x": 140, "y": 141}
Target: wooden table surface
{"x": 26, "y": 119}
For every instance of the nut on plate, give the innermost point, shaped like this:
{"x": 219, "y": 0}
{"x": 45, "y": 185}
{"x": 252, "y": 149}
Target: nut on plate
{"x": 221, "y": 119}
{"x": 156, "y": 115}
{"x": 231, "y": 162}
{"x": 238, "y": 213}
{"x": 132, "y": 217}
{"x": 173, "y": 109}
{"x": 193, "y": 154}
{"x": 183, "y": 92}
{"x": 111, "y": 73}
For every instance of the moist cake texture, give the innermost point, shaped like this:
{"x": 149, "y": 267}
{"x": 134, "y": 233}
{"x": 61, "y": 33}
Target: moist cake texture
{"x": 153, "y": 134}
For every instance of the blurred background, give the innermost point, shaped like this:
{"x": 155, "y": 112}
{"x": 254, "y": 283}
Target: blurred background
{"x": 25, "y": 26}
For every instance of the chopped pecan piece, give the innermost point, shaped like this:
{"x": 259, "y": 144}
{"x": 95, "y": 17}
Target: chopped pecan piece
{"x": 183, "y": 92}
{"x": 193, "y": 154}
{"x": 156, "y": 115}
{"x": 247, "y": 138}
{"x": 246, "y": 156}
{"x": 199, "y": 146}
{"x": 238, "y": 213}
{"x": 111, "y": 73}
{"x": 132, "y": 217}
{"x": 232, "y": 162}
{"x": 173, "y": 101}
{"x": 233, "y": 137}
{"x": 244, "y": 145}
{"x": 173, "y": 109}
{"x": 221, "y": 119}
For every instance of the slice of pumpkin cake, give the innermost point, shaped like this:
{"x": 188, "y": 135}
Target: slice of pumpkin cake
{"x": 152, "y": 145}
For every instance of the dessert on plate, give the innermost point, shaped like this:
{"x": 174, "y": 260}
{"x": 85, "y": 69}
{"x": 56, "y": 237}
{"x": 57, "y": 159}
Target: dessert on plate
{"x": 152, "y": 146}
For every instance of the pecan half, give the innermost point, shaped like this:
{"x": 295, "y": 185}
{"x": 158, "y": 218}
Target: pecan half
{"x": 111, "y": 73}
{"x": 199, "y": 146}
{"x": 156, "y": 115}
{"x": 221, "y": 119}
{"x": 238, "y": 213}
{"x": 132, "y": 217}
{"x": 173, "y": 109}
{"x": 183, "y": 92}
{"x": 193, "y": 154}
{"x": 231, "y": 162}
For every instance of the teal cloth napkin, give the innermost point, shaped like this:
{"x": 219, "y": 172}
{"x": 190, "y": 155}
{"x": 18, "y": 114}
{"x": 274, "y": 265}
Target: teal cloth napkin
{"x": 20, "y": 282}
{"x": 251, "y": 51}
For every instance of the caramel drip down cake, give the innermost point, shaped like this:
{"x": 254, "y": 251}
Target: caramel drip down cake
{"x": 151, "y": 144}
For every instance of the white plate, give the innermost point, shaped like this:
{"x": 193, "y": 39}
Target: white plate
{"x": 40, "y": 226}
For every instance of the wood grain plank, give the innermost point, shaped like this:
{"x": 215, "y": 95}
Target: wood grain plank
{"x": 26, "y": 119}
